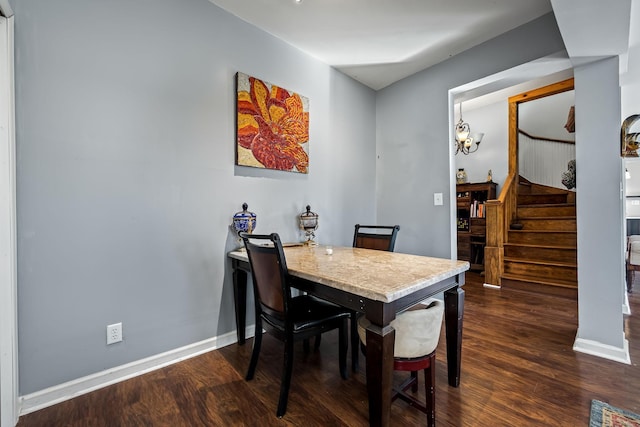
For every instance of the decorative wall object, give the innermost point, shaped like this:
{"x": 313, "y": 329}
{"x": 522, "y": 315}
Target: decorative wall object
{"x": 569, "y": 177}
{"x": 461, "y": 176}
{"x": 272, "y": 126}
{"x": 570, "y": 126}
{"x": 628, "y": 140}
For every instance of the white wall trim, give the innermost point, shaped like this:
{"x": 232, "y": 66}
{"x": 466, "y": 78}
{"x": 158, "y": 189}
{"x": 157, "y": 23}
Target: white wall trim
{"x": 605, "y": 351}
{"x": 9, "y": 401}
{"x": 626, "y": 308}
{"x": 62, "y": 392}
{"x": 453, "y": 202}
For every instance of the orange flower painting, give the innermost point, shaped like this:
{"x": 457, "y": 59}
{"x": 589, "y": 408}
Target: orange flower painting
{"x": 273, "y": 126}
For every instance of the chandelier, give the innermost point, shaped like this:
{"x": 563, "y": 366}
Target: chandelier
{"x": 465, "y": 139}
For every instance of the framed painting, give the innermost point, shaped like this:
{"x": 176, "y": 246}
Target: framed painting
{"x": 272, "y": 126}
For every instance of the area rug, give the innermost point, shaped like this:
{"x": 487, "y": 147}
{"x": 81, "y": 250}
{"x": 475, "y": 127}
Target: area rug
{"x": 605, "y": 415}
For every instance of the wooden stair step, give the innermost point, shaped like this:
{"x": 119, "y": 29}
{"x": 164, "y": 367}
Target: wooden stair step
{"x": 525, "y": 186}
{"x": 539, "y": 252}
{"x": 541, "y": 198}
{"x": 533, "y": 279}
{"x": 543, "y": 237}
{"x": 563, "y": 210}
{"x": 558, "y": 263}
{"x": 541, "y": 205}
{"x": 566, "y": 223}
{"x": 541, "y": 270}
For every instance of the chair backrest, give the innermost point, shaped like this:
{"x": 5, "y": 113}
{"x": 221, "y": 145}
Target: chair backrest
{"x": 269, "y": 271}
{"x": 369, "y": 237}
{"x": 417, "y": 329}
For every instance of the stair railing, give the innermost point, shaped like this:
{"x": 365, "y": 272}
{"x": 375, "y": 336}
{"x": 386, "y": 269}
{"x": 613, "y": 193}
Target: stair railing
{"x": 500, "y": 214}
{"x": 503, "y": 211}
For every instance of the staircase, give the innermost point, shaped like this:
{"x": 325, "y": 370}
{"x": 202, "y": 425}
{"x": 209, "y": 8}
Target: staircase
{"x": 540, "y": 254}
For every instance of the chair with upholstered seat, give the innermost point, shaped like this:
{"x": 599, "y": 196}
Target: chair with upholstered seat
{"x": 287, "y": 318}
{"x": 417, "y": 335}
{"x": 378, "y": 237}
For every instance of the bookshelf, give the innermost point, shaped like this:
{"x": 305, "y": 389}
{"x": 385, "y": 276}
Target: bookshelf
{"x": 471, "y": 220}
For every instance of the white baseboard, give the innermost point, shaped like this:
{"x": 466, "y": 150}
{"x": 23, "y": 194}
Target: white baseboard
{"x": 489, "y": 285}
{"x": 61, "y": 392}
{"x": 605, "y": 351}
{"x": 626, "y": 308}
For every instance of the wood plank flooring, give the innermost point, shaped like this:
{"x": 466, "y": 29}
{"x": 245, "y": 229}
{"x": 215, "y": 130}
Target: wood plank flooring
{"x": 518, "y": 369}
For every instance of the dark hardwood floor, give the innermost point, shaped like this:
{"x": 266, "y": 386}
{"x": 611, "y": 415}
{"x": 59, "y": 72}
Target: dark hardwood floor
{"x": 518, "y": 369}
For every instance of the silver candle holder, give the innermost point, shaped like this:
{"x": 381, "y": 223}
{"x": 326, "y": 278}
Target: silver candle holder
{"x": 309, "y": 223}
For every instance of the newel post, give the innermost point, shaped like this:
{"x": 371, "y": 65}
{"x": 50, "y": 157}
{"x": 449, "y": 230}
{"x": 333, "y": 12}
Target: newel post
{"x": 494, "y": 249}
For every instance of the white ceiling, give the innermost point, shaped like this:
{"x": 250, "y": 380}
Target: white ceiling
{"x": 379, "y": 42}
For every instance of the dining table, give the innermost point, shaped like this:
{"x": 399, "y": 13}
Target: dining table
{"x": 378, "y": 284}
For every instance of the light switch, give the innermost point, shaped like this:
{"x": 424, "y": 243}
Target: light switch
{"x": 437, "y": 199}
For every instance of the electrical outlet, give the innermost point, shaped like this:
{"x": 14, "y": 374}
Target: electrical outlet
{"x": 114, "y": 333}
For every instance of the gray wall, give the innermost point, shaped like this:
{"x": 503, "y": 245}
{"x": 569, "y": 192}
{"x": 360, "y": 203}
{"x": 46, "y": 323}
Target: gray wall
{"x": 126, "y": 177}
{"x": 413, "y": 133}
{"x": 599, "y": 177}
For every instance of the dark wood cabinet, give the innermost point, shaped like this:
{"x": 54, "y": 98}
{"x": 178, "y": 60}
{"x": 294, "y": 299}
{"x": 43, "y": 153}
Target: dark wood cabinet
{"x": 471, "y": 222}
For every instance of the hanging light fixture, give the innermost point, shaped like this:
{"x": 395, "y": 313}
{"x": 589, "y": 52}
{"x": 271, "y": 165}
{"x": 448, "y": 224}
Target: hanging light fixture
{"x": 465, "y": 139}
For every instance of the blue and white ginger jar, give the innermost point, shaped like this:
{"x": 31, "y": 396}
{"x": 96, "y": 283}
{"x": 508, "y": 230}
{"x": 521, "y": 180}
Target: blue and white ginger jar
{"x": 244, "y": 221}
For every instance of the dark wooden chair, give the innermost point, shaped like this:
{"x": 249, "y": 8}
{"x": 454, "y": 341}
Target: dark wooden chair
{"x": 378, "y": 237}
{"x": 417, "y": 336}
{"x": 287, "y": 318}
{"x": 371, "y": 237}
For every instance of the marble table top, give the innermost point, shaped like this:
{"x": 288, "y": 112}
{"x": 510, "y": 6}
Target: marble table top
{"x": 377, "y": 275}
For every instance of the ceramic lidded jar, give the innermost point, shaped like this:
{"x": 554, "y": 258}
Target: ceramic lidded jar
{"x": 461, "y": 176}
{"x": 244, "y": 221}
{"x": 309, "y": 223}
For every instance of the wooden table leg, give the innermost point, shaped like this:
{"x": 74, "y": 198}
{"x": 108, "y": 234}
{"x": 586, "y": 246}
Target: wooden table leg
{"x": 240, "y": 301}
{"x": 380, "y": 342}
{"x": 454, "y": 311}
